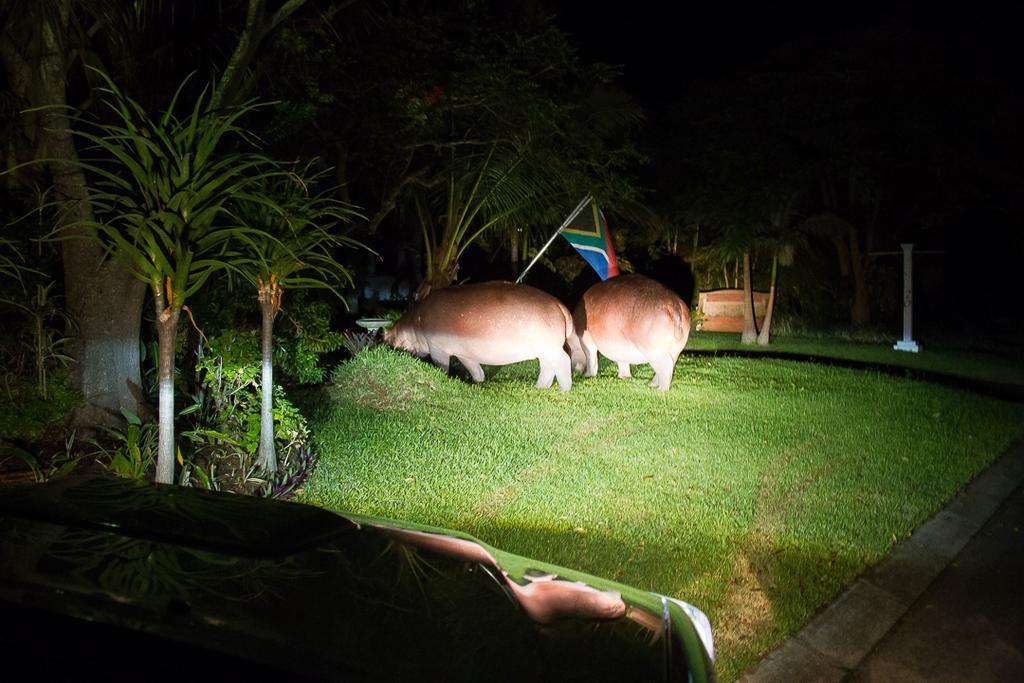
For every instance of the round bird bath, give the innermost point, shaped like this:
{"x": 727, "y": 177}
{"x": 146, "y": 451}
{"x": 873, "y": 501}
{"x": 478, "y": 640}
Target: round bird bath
{"x": 374, "y": 324}
{"x": 373, "y": 327}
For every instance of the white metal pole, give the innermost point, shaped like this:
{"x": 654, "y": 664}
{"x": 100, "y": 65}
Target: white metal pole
{"x": 908, "y": 343}
{"x": 575, "y": 212}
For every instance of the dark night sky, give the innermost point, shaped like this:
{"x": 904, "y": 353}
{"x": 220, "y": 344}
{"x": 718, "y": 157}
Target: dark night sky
{"x": 663, "y": 45}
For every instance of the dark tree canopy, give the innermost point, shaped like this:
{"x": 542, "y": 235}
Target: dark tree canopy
{"x": 464, "y": 131}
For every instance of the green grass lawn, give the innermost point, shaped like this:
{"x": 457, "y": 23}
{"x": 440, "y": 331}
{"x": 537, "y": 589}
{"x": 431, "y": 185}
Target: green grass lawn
{"x": 987, "y": 366}
{"x": 756, "y": 489}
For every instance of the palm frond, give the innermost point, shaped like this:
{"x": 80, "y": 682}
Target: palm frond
{"x": 163, "y": 185}
{"x": 292, "y": 234}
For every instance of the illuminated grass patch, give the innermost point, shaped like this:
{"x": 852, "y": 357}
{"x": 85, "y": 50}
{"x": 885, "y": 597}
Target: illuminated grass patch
{"x": 986, "y": 366}
{"x": 754, "y": 489}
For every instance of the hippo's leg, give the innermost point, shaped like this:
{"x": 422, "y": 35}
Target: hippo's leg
{"x": 590, "y": 350}
{"x": 576, "y": 354}
{"x": 624, "y": 372}
{"x": 563, "y": 371}
{"x": 546, "y": 376}
{"x": 556, "y": 365}
{"x": 663, "y": 365}
{"x": 475, "y": 371}
{"x": 440, "y": 358}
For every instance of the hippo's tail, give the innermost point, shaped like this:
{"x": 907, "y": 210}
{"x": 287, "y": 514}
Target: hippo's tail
{"x": 576, "y": 354}
{"x": 680, "y": 314}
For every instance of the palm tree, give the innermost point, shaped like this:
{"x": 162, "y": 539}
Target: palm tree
{"x": 781, "y": 236}
{"x": 293, "y": 249}
{"x": 481, "y": 192}
{"x": 159, "y": 196}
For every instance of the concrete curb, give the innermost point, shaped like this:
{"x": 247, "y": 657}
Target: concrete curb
{"x": 834, "y": 642}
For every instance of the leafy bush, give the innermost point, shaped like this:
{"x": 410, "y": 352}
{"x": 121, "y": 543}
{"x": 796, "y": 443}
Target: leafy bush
{"x": 302, "y": 331}
{"x": 304, "y": 337}
{"x": 25, "y": 414}
{"x": 359, "y": 341}
{"x": 55, "y": 466}
{"x": 33, "y": 342}
{"x": 296, "y": 466}
{"x": 226, "y": 420}
{"x": 42, "y": 335}
{"x": 134, "y": 452}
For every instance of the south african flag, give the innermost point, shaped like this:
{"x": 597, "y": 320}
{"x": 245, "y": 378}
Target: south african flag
{"x": 588, "y": 233}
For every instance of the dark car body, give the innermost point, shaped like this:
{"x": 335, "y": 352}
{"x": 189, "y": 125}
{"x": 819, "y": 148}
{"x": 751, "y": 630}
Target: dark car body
{"x": 104, "y": 577}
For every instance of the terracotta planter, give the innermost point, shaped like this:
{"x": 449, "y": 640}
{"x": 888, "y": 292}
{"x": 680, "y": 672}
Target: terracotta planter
{"x": 722, "y": 309}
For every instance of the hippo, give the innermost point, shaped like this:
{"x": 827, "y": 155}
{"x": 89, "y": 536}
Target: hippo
{"x": 491, "y": 323}
{"x": 633, "y": 319}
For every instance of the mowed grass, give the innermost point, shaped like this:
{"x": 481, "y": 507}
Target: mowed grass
{"x": 756, "y": 489}
{"x": 1003, "y": 368}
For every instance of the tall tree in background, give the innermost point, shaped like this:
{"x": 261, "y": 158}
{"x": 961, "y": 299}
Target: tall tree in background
{"x": 104, "y": 301}
{"x": 238, "y": 80}
{"x": 782, "y": 237}
{"x": 479, "y": 121}
{"x": 482, "y": 192}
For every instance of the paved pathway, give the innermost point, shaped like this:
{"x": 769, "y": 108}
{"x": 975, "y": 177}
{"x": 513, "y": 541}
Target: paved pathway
{"x": 947, "y": 604}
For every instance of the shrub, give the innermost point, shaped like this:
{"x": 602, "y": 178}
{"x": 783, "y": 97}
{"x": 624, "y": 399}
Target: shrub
{"x": 383, "y": 378}
{"x": 25, "y": 414}
{"x": 299, "y": 346}
{"x": 134, "y": 452}
{"x": 225, "y": 417}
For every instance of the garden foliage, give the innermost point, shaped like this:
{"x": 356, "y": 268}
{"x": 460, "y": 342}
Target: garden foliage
{"x": 225, "y": 417}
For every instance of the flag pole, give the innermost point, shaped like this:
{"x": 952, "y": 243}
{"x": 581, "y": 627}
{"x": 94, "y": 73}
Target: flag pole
{"x": 575, "y": 212}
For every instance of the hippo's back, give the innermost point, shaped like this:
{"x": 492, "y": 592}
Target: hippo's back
{"x": 630, "y": 315}
{"x": 481, "y": 308}
{"x": 494, "y": 322}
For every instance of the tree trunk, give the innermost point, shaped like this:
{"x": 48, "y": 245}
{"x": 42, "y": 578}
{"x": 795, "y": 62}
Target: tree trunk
{"x": 103, "y": 301}
{"x": 860, "y": 310}
{"x": 166, "y": 332}
{"x": 513, "y": 247}
{"x": 428, "y": 285}
{"x": 440, "y": 274}
{"x": 236, "y": 80}
{"x": 749, "y": 325}
{"x": 764, "y": 336}
{"x": 270, "y": 304}
{"x": 106, "y": 311}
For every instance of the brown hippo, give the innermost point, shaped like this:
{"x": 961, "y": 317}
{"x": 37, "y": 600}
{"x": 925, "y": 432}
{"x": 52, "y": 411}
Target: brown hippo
{"x": 491, "y": 323}
{"x": 633, "y": 319}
